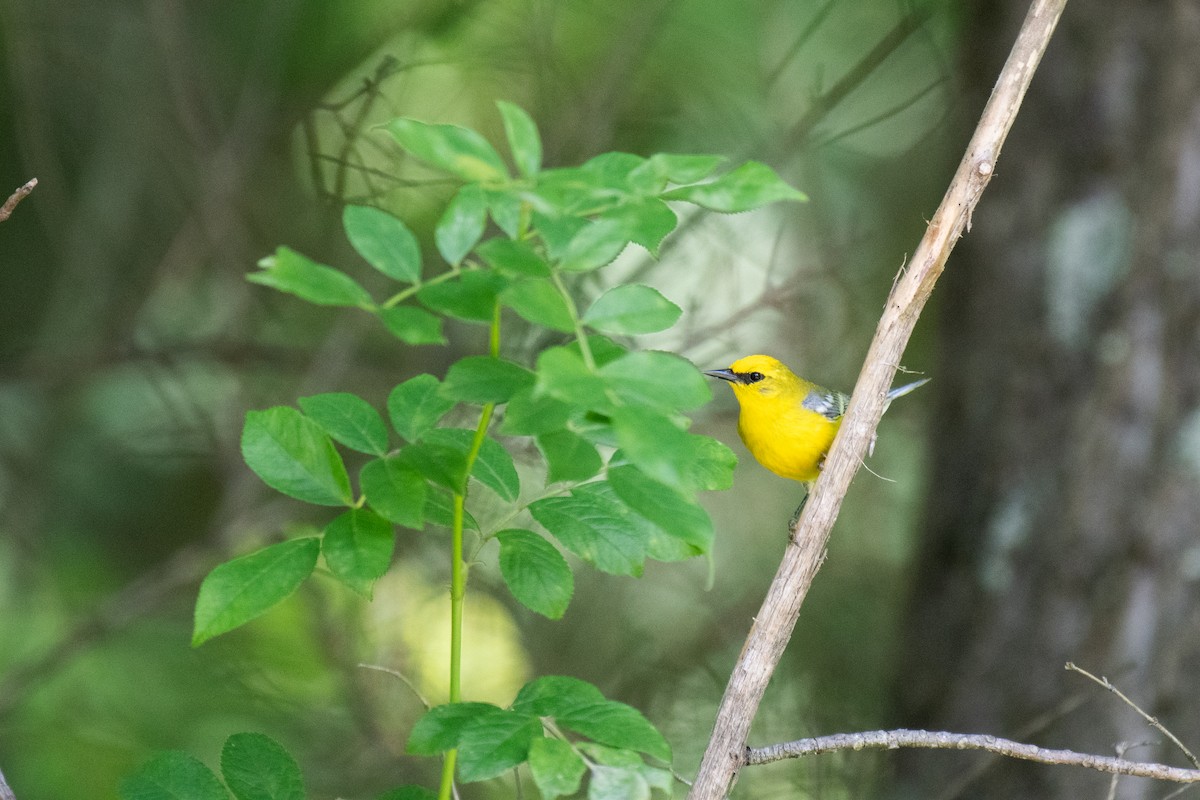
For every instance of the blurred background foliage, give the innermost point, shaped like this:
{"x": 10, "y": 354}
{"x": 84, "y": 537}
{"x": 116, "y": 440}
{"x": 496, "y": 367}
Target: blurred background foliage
{"x": 177, "y": 143}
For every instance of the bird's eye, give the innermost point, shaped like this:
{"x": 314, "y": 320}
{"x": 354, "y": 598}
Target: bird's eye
{"x": 754, "y": 377}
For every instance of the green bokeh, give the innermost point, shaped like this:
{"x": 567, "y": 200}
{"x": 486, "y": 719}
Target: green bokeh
{"x": 174, "y": 150}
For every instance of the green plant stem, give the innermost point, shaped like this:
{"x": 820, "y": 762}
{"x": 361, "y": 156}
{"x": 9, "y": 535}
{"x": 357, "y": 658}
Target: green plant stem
{"x": 516, "y": 511}
{"x": 524, "y": 221}
{"x": 404, "y": 294}
{"x": 585, "y": 350}
{"x": 458, "y": 566}
{"x": 458, "y": 591}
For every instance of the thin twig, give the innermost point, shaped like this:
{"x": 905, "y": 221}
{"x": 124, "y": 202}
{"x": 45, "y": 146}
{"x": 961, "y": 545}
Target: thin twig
{"x": 10, "y": 205}
{"x": 809, "y": 535}
{"x": 943, "y": 740}
{"x": 857, "y": 75}
{"x": 407, "y": 681}
{"x": 1152, "y": 721}
{"x": 1171, "y": 795}
{"x": 1122, "y": 748}
{"x": 801, "y": 39}
{"x": 5, "y": 792}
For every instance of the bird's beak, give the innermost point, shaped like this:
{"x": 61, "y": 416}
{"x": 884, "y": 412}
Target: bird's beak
{"x": 723, "y": 374}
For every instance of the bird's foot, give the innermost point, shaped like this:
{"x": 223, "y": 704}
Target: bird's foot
{"x": 796, "y": 515}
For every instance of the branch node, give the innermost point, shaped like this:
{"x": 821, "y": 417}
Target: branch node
{"x": 17, "y": 196}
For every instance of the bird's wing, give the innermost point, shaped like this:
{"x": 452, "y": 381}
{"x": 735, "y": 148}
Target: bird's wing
{"x": 825, "y": 402}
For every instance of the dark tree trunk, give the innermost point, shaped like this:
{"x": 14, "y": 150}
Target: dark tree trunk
{"x": 1064, "y": 522}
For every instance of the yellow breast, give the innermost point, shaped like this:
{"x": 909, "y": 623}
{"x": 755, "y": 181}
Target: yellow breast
{"x": 787, "y": 438}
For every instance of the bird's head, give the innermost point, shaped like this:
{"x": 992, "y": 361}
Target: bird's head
{"x": 757, "y": 376}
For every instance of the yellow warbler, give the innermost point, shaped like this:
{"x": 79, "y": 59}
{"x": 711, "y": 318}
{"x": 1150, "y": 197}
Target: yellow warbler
{"x": 787, "y": 422}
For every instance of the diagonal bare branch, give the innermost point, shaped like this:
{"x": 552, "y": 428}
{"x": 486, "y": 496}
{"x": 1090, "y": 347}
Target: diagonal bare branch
{"x": 809, "y": 534}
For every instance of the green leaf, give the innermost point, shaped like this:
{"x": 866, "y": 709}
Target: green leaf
{"x": 658, "y": 380}
{"x": 439, "y": 458}
{"x": 538, "y": 300}
{"x": 563, "y": 375}
{"x": 172, "y": 775}
{"x": 574, "y": 192}
{"x": 442, "y": 457}
{"x": 604, "y": 350}
{"x": 710, "y": 466}
{"x": 528, "y": 414}
{"x": 667, "y": 549}
{"x": 646, "y": 221}
{"x": 348, "y": 419}
{"x": 395, "y": 491}
{"x": 617, "y": 783}
{"x": 291, "y": 272}
{"x": 536, "y": 573}
{"x": 494, "y": 742}
{"x": 596, "y": 427}
{"x": 618, "y": 725}
{"x": 596, "y": 244}
{"x": 523, "y": 139}
{"x": 240, "y": 590}
{"x": 612, "y": 756}
{"x": 384, "y": 242}
{"x": 631, "y": 309}
{"x": 656, "y": 777}
{"x": 556, "y": 768}
{"x": 654, "y": 443}
{"x": 513, "y": 257}
{"x": 749, "y": 186}
{"x": 256, "y": 767}
{"x": 439, "y": 510}
{"x": 616, "y": 172}
{"x": 668, "y": 508}
{"x": 493, "y": 465}
{"x": 597, "y": 527}
{"x": 676, "y": 168}
{"x": 449, "y": 148}
{"x": 461, "y": 224}
{"x": 416, "y": 405}
{"x": 483, "y": 379}
{"x": 293, "y": 455}
{"x": 471, "y": 296}
{"x": 580, "y": 707}
{"x": 557, "y": 232}
{"x": 569, "y": 457}
{"x": 412, "y": 325}
{"x": 506, "y": 208}
{"x": 440, "y": 728}
{"x": 494, "y": 469}
{"x": 552, "y": 695}
{"x": 358, "y": 548}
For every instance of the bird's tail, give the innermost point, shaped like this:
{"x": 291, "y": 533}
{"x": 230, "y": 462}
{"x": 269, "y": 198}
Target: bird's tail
{"x": 900, "y": 391}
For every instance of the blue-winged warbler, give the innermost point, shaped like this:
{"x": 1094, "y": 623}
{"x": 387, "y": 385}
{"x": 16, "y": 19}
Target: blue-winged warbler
{"x": 787, "y": 422}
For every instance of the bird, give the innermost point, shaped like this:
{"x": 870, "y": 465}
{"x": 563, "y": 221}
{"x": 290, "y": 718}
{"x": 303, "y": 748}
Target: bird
{"x": 787, "y": 422}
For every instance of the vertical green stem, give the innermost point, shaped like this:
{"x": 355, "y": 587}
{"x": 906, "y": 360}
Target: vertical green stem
{"x": 458, "y": 567}
{"x": 585, "y": 350}
{"x": 458, "y": 591}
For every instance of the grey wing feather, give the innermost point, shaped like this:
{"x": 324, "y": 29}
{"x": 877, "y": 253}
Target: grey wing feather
{"x": 832, "y": 405}
{"x": 828, "y": 404}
